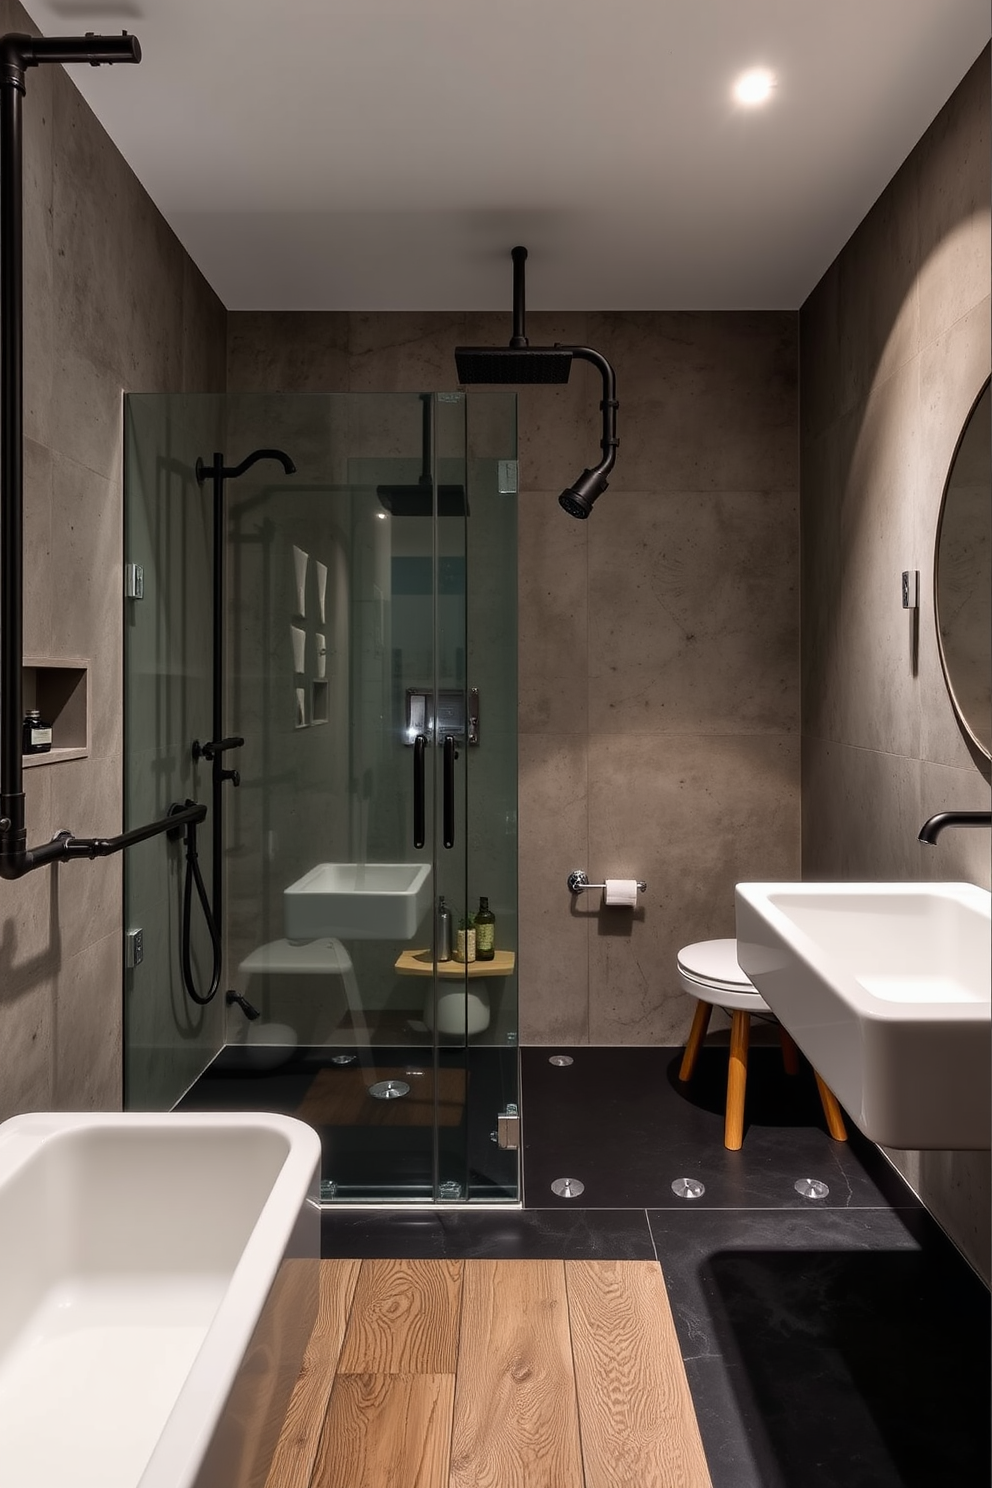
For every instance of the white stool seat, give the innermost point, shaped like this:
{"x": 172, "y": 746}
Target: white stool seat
{"x": 299, "y": 956}
{"x": 709, "y": 971}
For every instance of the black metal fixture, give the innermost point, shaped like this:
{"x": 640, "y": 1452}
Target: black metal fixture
{"x": 418, "y": 500}
{"x": 17, "y": 53}
{"x": 215, "y": 749}
{"x": 934, "y": 825}
{"x": 521, "y": 363}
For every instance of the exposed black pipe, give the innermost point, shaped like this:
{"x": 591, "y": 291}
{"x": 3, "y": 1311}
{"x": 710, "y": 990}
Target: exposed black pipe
{"x": 519, "y": 257}
{"x": 215, "y": 749}
{"x": 17, "y": 53}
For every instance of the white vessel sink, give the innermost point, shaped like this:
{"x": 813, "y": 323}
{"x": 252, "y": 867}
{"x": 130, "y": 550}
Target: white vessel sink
{"x": 368, "y": 901}
{"x": 886, "y": 989}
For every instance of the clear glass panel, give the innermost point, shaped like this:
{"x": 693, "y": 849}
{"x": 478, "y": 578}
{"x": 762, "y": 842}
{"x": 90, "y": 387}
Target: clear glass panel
{"x": 349, "y": 588}
{"x": 167, "y": 700}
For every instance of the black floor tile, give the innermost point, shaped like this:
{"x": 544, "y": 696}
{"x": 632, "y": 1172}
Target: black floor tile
{"x": 620, "y": 1120}
{"x": 516, "y": 1234}
{"x": 830, "y": 1347}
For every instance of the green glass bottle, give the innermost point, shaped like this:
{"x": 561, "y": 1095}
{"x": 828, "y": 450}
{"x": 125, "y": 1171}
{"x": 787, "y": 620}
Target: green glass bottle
{"x": 485, "y": 932}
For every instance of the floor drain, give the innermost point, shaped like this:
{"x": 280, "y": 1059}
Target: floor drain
{"x": 343, "y": 1058}
{"x": 389, "y": 1089}
{"x": 567, "y": 1188}
{"x": 688, "y": 1188}
{"x": 560, "y": 1059}
{"x": 811, "y": 1188}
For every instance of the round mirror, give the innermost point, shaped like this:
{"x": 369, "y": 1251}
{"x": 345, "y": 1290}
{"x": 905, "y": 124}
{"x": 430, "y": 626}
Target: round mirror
{"x": 963, "y": 576}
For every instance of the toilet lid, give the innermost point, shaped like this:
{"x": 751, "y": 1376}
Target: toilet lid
{"x": 715, "y": 961}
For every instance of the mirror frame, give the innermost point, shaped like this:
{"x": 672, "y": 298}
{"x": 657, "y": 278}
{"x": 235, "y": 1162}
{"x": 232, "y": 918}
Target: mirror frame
{"x": 980, "y": 751}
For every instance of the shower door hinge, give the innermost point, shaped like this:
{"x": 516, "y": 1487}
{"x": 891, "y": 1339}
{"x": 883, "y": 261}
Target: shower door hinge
{"x": 506, "y": 477}
{"x": 508, "y": 1128}
{"x": 134, "y": 948}
{"x": 134, "y": 581}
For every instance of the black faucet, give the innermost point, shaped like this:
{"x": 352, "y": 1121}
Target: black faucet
{"x": 931, "y": 829}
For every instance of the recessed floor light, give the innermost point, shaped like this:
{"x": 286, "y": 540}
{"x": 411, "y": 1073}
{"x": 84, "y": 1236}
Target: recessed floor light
{"x": 754, "y": 87}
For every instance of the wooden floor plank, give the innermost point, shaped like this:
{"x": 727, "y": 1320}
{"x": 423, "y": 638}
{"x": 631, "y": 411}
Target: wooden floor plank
{"x": 404, "y": 1319}
{"x": 636, "y": 1415}
{"x": 387, "y": 1431}
{"x": 296, "y": 1452}
{"x": 515, "y": 1422}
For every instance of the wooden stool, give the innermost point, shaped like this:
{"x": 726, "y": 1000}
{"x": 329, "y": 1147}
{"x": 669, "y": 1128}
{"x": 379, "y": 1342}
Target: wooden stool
{"x": 710, "y": 973}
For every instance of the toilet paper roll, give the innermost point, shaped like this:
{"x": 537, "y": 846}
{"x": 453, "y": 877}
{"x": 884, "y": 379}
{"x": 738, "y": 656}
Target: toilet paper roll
{"x": 620, "y": 891}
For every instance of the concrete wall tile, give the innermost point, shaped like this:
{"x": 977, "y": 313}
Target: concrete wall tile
{"x": 691, "y": 815}
{"x": 553, "y": 617}
{"x": 553, "y": 840}
{"x": 953, "y": 184}
{"x": 87, "y": 1030}
{"x": 694, "y": 613}
{"x": 707, "y": 399}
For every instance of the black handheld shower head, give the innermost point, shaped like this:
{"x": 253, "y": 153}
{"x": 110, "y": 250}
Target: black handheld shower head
{"x": 579, "y": 498}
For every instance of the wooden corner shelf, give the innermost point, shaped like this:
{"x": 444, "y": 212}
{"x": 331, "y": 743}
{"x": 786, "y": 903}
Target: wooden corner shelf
{"x": 422, "y": 963}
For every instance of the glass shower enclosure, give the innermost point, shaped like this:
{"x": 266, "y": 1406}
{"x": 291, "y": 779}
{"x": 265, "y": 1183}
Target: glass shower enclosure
{"x": 369, "y": 666}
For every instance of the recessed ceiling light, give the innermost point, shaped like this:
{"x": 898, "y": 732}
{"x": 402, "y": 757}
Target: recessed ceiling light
{"x": 754, "y": 87}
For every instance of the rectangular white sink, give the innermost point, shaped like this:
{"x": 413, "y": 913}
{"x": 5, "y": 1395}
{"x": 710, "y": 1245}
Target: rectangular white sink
{"x": 358, "y": 901}
{"x": 887, "y": 989}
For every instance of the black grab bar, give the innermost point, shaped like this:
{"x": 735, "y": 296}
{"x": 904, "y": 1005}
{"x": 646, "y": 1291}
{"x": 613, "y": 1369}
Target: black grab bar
{"x": 17, "y": 53}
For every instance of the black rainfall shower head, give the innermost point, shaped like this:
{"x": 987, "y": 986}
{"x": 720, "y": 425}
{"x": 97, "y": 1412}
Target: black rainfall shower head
{"x": 578, "y": 499}
{"x": 513, "y": 364}
{"x": 418, "y": 500}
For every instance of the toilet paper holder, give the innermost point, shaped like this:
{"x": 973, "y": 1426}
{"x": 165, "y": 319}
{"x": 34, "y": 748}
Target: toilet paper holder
{"x": 578, "y": 882}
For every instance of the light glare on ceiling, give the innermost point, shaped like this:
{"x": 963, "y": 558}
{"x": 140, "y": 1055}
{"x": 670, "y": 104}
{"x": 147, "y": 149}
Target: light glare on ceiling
{"x": 754, "y": 87}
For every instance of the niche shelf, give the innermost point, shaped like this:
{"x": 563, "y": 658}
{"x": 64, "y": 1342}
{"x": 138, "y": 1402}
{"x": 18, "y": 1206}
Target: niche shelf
{"x": 60, "y": 689}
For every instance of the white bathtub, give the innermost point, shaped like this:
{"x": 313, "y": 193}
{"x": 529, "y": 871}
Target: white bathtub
{"x": 158, "y": 1283}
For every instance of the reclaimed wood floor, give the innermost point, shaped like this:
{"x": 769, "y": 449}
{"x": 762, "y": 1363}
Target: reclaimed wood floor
{"x": 491, "y": 1374}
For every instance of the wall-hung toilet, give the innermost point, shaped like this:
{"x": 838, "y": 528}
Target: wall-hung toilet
{"x": 709, "y": 971}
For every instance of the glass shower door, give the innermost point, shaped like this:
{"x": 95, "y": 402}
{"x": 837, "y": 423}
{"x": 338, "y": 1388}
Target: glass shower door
{"x": 370, "y": 670}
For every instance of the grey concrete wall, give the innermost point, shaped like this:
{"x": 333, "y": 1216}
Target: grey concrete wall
{"x": 658, "y": 642}
{"x": 112, "y": 303}
{"x": 894, "y": 351}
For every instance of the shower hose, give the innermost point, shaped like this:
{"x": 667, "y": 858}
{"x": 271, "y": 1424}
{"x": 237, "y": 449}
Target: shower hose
{"x": 194, "y": 878}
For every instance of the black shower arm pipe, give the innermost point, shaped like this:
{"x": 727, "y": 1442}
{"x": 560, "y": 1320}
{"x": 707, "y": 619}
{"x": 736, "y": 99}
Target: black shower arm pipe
{"x": 18, "y": 52}
{"x": 609, "y": 404}
{"x": 64, "y": 846}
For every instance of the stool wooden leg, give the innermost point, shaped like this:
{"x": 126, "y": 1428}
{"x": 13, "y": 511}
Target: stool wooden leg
{"x": 733, "y": 1126}
{"x": 697, "y": 1033}
{"x": 832, "y": 1111}
{"x": 790, "y": 1054}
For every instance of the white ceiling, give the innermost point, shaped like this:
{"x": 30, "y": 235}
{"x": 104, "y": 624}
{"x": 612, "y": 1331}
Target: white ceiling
{"x": 386, "y": 154}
